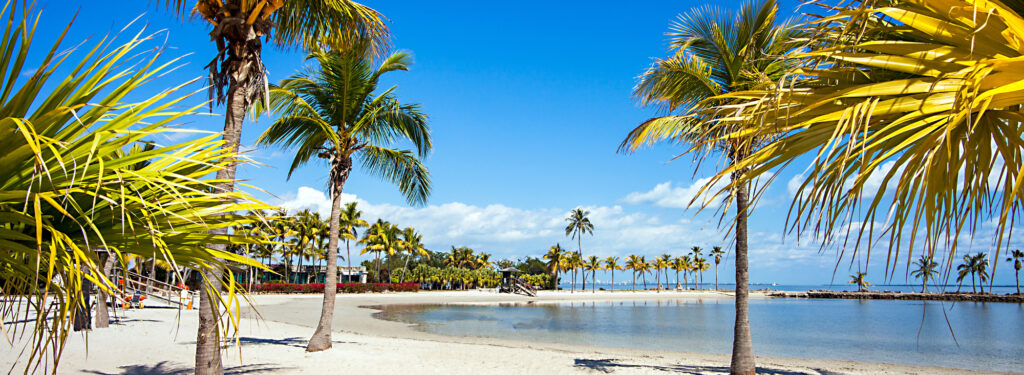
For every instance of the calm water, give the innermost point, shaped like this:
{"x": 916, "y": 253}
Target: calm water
{"x": 990, "y": 335}
{"x": 620, "y": 285}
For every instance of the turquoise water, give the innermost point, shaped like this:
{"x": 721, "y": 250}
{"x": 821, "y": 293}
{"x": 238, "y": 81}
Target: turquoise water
{"x": 989, "y": 336}
{"x": 905, "y": 288}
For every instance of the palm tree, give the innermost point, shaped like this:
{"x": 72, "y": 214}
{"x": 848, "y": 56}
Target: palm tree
{"x": 681, "y": 264}
{"x": 716, "y": 55}
{"x": 644, "y": 267}
{"x": 238, "y": 26}
{"x": 717, "y": 253}
{"x": 349, "y": 221}
{"x": 701, "y": 265}
{"x": 381, "y": 239}
{"x": 66, "y": 158}
{"x": 925, "y": 271}
{"x": 281, "y": 227}
{"x": 659, "y": 264}
{"x": 981, "y": 269}
{"x": 573, "y": 262}
{"x": 579, "y": 224}
{"x": 666, "y": 265}
{"x": 859, "y": 279}
{"x": 555, "y": 257}
{"x": 1016, "y": 257}
{"x": 611, "y": 264}
{"x": 334, "y": 112}
{"x": 968, "y": 266}
{"x": 592, "y": 264}
{"x": 635, "y": 263}
{"x": 413, "y": 245}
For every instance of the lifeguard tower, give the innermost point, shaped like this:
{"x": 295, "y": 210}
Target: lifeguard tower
{"x": 511, "y": 283}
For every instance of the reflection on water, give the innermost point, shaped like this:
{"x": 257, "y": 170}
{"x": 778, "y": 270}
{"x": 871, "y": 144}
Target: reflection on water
{"x": 990, "y": 335}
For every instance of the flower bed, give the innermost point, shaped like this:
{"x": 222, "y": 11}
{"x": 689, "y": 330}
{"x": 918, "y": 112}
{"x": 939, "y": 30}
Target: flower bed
{"x": 342, "y": 287}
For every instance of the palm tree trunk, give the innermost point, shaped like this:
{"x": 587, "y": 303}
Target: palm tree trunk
{"x": 321, "y": 339}
{"x": 1017, "y": 275}
{"x": 716, "y": 276}
{"x": 613, "y": 280}
{"x": 644, "y": 275}
{"x": 634, "y": 281}
{"x": 405, "y": 268}
{"x": 348, "y": 258}
{"x": 974, "y": 287}
{"x": 742, "y": 350}
{"x": 102, "y": 314}
{"x": 677, "y": 279}
{"x": 208, "y": 361}
{"x": 579, "y": 244}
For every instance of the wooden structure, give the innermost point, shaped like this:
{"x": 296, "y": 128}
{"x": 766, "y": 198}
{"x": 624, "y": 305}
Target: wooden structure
{"x": 511, "y": 283}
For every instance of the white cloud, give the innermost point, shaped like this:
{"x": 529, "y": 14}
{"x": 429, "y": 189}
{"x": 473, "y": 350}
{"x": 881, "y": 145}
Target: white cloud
{"x": 665, "y": 195}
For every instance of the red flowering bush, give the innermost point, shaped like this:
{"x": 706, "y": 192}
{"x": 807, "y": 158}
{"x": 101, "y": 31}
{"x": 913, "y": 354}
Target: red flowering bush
{"x": 342, "y": 287}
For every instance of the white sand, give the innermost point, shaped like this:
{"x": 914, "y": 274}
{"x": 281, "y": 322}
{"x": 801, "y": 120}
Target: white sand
{"x": 160, "y": 341}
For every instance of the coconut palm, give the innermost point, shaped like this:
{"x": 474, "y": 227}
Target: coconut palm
{"x": 635, "y": 263}
{"x": 69, "y": 185}
{"x": 381, "y": 239}
{"x": 238, "y": 77}
{"x": 579, "y": 224}
{"x": 681, "y": 264}
{"x": 573, "y": 262}
{"x": 981, "y": 269}
{"x": 556, "y": 260}
{"x": 644, "y": 267}
{"x": 612, "y": 264}
{"x": 592, "y": 264}
{"x": 717, "y": 253}
{"x": 413, "y": 245}
{"x": 666, "y": 265}
{"x": 658, "y": 264}
{"x": 333, "y": 111}
{"x": 925, "y": 271}
{"x": 715, "y": 54}
{"x": 700, "y": 265}
{"x": 1016, "y": 257}
{"x": 968, "y": 266}
{"x": 349, "y": 221}
{"x": 860, "y": 281}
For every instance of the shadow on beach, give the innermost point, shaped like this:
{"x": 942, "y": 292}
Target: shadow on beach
{"x": 610, "y": 365}
{"x": 297, "y": 342}
{"x": 167, "y": 368}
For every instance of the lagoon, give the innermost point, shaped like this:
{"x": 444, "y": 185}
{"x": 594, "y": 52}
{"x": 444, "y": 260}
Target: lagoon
{"x": 980, "y": 336}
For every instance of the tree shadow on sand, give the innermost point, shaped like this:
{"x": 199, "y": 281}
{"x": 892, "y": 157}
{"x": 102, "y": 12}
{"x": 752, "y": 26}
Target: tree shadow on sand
{"x": 609, "y": 365}
{"x": 168, "y": 368}
{"x": 297, "y": 342}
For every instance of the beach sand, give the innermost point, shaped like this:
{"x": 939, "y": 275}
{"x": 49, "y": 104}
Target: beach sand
{"x": 162, "y": 341}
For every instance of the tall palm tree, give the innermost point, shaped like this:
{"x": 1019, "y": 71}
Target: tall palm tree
{"x": 968, "y": 266}
{"x": 658, "y": 264}
{"x": 611, "y": 264}
{"x": 579, "y": 224}
{"x": 717, "y": 253}
{"x": 1017, "y": 257}
{"x": 556, "y": 260}
{"x": 635, "y": 263}
{"x": 667, "y": 264}
{"x": 643, "y": 267}
{"x": 349, "y": 221}
{"x": 382, "y": 239}
{"x": 413, "y": 245}
{"x": 981, "y": 269}
{"x": 925, "y": 271}
{"x": 715, "y": 54}
{"x": 860, "y": 280}
{"x": 592, "y": 264}
{"x": 681, "y": 264}
{"x": 238, "y": 26}
{"x": 700, "y": 265}
{"x": 334, "y": 111}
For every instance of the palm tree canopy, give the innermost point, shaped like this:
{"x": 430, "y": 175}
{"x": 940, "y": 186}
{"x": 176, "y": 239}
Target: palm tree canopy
{"x": 334, "y": 111}
{"x": 579, "y": 223}
{"x": 555, "y": 257}
{"x": 713, "y": 54}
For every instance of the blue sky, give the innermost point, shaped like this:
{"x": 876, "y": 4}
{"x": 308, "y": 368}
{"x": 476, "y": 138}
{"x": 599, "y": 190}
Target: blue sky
{"x": 528, "y": 103}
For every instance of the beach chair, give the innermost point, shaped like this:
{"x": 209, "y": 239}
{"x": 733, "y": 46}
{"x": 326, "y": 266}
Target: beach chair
{"x": 135, "y": 301}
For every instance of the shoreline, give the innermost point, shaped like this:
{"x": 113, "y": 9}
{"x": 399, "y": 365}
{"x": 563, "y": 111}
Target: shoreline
{"x": 162, "y": 341}
{"x": 365, "y": 317}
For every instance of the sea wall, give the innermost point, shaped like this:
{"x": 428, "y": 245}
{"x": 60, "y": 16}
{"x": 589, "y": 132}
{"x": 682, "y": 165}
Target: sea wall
{"x": 966, "y": 297}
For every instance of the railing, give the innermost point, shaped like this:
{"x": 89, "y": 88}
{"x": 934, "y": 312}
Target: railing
{"x": 153, "y": 288}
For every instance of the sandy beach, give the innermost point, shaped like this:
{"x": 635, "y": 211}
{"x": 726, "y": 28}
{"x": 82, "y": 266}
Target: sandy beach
{"x": 162, "y": 341}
